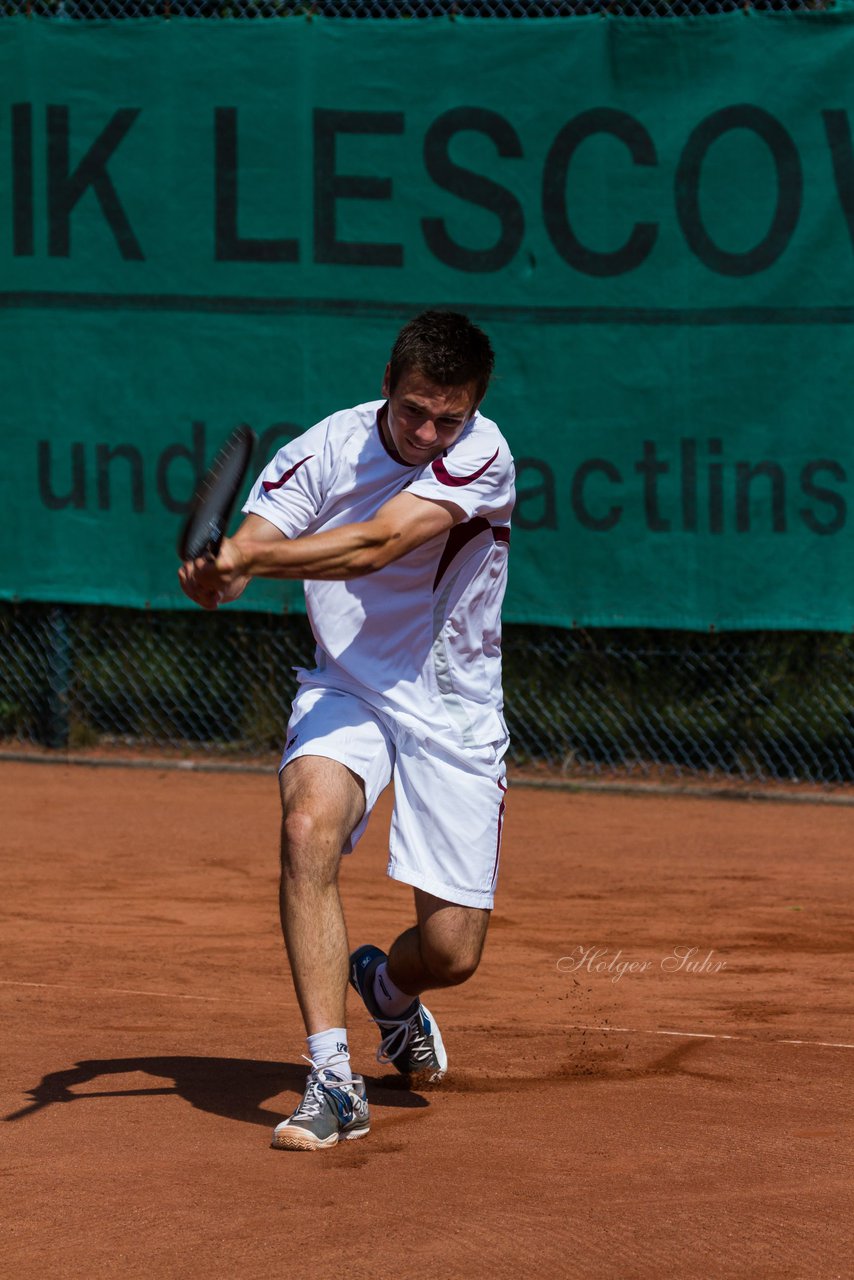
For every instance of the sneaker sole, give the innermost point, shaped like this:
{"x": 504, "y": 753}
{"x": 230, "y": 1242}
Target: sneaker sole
{"x": 433, "y": 1075}
{"x": 301, "y": 1140}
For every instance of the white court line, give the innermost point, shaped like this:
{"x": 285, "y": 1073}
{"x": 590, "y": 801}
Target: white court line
{"x": 133, "y": 991}
{"x": 824, "y": 1044}
{"x": 242, "y": 1000}
{"x": 709, "y": 1035}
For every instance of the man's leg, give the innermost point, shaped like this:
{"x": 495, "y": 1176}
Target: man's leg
{"x": 322, "y": 802}
{"x": 442, "y": 950}
{"x": 337, "y": 760}
{"x": 445, "y": 836}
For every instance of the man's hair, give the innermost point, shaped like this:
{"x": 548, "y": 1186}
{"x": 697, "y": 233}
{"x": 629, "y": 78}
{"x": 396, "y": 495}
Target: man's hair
{"x": 446, "y": 348}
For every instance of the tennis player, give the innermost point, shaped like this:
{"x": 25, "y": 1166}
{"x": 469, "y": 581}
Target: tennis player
{"x": 396, "y": 513}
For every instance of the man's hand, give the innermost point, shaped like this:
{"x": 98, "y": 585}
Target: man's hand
{"x": 210, "y": 582}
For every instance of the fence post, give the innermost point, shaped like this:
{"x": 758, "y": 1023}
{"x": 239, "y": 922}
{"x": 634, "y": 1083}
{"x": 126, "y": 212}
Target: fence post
{"x": 59, "y": 679}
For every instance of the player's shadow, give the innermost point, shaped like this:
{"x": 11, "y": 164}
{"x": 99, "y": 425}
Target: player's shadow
{"x": 235, "y": 1088}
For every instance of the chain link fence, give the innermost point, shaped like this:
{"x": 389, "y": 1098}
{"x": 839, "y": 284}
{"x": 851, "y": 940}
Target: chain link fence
{"x": 403, "y": 9}
{"x": 759, "y": 707}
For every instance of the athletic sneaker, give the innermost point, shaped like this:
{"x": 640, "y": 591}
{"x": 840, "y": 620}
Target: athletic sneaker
{"x": 332, "y": 1110}
{"x": 411, "y": 1042}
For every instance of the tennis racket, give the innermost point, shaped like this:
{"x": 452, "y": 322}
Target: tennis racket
{"x": 213, "y": 501}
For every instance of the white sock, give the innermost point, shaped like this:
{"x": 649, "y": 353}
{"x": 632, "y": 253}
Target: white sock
{"x": 330, "y": 1049}
{"x": 390, "y": 999}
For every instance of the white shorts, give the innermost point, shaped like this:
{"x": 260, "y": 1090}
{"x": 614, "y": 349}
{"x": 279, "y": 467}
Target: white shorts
{"x": 448, "y": 809}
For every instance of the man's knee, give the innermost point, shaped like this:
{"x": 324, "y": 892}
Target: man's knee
{"x": 300, "y": 830}
{"x": 311, "y": 845}
{"x": 451, "y": 963}
{"x": 322, "y": 801}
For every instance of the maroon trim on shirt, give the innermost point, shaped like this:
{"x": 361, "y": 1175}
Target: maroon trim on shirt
{"x": 267, "y": 485}
{"x": 501, "y": 809}
{"x": 444, "y": 476}
{"x": 460, "y": 536}
{"x": 389, "y": 448}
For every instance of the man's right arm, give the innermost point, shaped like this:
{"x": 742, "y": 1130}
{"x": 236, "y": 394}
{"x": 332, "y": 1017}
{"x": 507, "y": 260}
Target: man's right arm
{"x": 260, "y": 550}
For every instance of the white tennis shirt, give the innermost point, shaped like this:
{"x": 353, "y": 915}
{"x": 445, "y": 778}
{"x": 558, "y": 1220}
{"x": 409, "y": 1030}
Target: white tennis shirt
{"x": 419, "y": 640}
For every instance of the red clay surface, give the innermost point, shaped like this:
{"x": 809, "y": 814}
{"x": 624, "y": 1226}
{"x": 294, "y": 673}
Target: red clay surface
{"x": 659, "y": 1125}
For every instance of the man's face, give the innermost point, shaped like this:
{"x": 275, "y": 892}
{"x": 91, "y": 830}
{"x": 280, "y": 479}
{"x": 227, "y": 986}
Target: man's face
{"x": 424, "y": 419}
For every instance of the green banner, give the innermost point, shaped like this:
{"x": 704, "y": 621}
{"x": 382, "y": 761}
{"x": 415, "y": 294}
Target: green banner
{"x": 206, "y": 223}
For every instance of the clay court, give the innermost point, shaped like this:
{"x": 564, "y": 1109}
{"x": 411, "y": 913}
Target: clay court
{"x": 672, "y": 1121}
